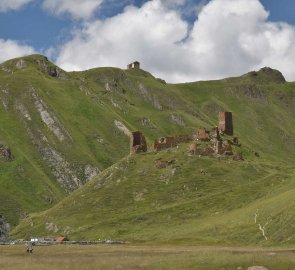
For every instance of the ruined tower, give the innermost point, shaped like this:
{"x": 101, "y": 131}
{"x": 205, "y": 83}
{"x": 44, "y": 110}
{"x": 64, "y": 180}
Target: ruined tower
{"x": 226, "y": 123}
{"x": 137, "y": 142}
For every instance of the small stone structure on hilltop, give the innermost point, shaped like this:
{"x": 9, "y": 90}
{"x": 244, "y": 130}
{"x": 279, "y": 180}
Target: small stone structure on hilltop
{"x": 135, "y": 64}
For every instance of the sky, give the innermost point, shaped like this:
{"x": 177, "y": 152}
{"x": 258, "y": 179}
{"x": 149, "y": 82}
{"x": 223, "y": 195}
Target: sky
{"x": 176, "y": 40}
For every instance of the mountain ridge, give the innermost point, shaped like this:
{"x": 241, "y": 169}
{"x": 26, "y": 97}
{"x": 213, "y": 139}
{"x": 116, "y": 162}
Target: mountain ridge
{"x": 63, "y": 128}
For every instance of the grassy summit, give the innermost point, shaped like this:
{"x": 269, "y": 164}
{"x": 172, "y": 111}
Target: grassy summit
{"x": 64, "y": 128}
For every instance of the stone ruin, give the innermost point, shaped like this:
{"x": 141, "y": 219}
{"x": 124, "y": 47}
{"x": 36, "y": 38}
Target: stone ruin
{"x": 168, "y": 142}
{"x": 215, "y": 144}
{"x": 202, "y": 135}
{"x": 226, "y": 123}
{"x": 161, "y": 164}
{"x": 137, "y": 142}
{"x": 135, "y": 64}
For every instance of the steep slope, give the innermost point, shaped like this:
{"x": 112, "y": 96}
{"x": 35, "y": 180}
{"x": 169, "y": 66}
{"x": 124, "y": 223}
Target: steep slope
{"x": 63, "y": 128}
{"x": 192, "y": 200}
{"x": 96, "y": 109}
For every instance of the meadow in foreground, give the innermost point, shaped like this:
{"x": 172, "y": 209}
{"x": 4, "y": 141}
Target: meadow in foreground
{"x": 143, "y": 257}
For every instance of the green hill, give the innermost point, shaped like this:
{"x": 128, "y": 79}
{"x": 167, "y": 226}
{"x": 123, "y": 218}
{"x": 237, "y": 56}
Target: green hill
{"x": 63, "y": 128}
{"x": 194, "y": 200}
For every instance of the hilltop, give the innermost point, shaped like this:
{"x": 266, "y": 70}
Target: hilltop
{"x": 65, "y": 128}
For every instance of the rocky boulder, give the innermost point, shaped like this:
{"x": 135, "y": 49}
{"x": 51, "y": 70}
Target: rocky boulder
{"x": 5, "y": 153}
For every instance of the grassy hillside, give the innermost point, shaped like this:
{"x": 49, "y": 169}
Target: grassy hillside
{"x": 64, "y": 128}
{"x": 194, "y": 200}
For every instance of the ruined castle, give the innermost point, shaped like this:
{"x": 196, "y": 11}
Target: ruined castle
{"x": 213, "y": 139}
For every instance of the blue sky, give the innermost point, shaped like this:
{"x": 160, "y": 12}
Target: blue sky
{"x": 53, "y": 26}
{"x": 41, "y": 29}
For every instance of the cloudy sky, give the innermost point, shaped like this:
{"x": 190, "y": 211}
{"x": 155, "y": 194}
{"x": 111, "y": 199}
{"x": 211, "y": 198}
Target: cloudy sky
{"x": 177, "y": 40}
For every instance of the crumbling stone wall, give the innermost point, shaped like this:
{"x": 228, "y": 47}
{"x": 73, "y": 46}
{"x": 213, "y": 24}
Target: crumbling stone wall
{"x": 227, "y": 148}
{"x": 137, "y": 142}
{"x": 193, "y": 149}
{"x": 226, "y": 123}
{"x": 202, "y": 135}
{"x": 214, "y": 133}
{"x": 216, "y": 144}
{"x": 172, "y": 141}
{"x": 221, "y": 147}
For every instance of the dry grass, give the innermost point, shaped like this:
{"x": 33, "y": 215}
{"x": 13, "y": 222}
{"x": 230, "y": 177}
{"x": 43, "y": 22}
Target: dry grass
{"x": 142, "y": 257}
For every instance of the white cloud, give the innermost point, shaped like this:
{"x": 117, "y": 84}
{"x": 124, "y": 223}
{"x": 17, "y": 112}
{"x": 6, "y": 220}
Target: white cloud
{"x": 79, "y": 9}
{"x": 228, "y": 38}
{"x": 171, "y": 3}
{"x": 6, "y": 5}
{"x": 12, "y": 49}
{"x": 148, "y": 34}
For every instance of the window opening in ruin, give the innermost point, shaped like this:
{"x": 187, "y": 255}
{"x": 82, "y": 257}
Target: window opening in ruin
{"x": 137, "y": 139}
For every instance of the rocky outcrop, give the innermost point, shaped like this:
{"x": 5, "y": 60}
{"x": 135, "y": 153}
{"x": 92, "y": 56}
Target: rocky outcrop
{"x": 90, "y": 172}
{"x": 122, "y": 127}
{"x": 4, "y": 228}
{"x": 50, "y": 119}
{"x": 146, "y": 122}
{"x": 266, "y": 75}
{"x": 21, "y": 64}
{"x": 67, "y": 173}
{"x": 48, "y": 68}
{"x": 248, "y": 90}
{"x": 5, "y": 153}
{"x": 149, "y": 97}
{"x": 177, "y": 119}
{"x": 115, "y": 83}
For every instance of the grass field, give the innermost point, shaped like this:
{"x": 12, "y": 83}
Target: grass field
{"x": 131, "y": 257}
